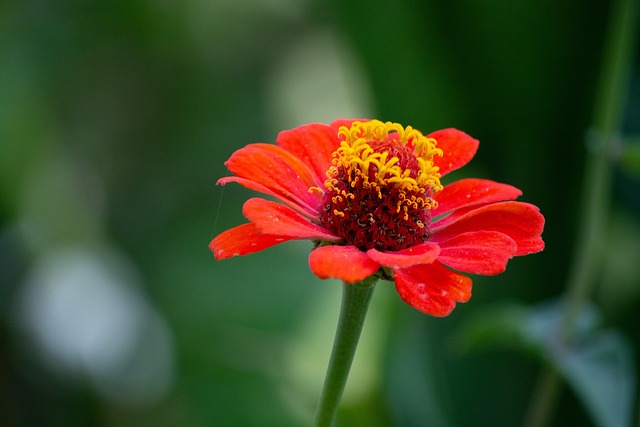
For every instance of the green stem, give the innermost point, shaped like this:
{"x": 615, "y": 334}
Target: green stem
{"x": 544, "y": 398}
{"x": 607, "y": 122}
{"x": 355, "y": 302}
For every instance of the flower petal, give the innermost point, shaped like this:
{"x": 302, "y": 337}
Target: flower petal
{"x": 274, "y": 218}
{"x": 432, "y": 288}
{"x": 346, "y": 263}
{"x": 458, "y": 149}
{"x": 478, "y": 252}
{"x": 244, "y": 239}
{"x": 314, "y": 144}
{"x": 252, "y": 185}
{"x": 472, "y": 191}
{"x": 278, "y": 170}
{"x": 521, "y": 221}
{"x": 425, "y": 253}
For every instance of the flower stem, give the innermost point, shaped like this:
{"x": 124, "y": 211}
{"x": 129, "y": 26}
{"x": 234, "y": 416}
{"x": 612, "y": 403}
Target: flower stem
{"x": 605, "y": 129}
{"x": 355, "y": 302}
{"x": 606, "y": 125}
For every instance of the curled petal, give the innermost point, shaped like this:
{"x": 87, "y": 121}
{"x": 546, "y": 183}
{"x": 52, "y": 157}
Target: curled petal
{"x": 307, "y": 211}
{"x": 276, "y": 169}
{"x": 470, "y": 192}
{"x": 273, "y": 218}
{"x": 314, "y": 144}
{"x": 244, "y": 239}
{"x": 432, "y": 288}
{"x": 521, "y": 221}
{"x": 478, "y": 252}
{"x": 346, "y": 263}
{"x": 458, "y": 149}
{"x": 425, "y": 253}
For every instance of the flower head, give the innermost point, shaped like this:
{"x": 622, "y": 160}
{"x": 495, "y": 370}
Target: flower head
{"x": 368, "y": 193}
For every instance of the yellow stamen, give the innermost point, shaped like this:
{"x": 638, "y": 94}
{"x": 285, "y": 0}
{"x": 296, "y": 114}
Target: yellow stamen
{"x": 355, "y": 152}
{"x": 356, "y": 156}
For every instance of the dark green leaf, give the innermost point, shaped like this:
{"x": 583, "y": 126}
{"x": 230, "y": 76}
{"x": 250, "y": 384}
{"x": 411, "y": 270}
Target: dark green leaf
{"x": 596, "y": 363}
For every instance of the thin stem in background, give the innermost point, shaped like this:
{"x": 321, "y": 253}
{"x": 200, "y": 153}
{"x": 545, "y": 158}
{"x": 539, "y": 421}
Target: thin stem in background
{"x": 605, "y": 130}
{"x": 606, "y": 126}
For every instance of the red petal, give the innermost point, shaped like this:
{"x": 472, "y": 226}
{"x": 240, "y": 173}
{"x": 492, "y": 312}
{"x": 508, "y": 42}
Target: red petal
{"x": 432, "y": 288}
{"x": 252, "y": 185}
{"x": 346, "y": 263}
{"x": 479, "y": 252}
{"x": 472, "y": 191}
{"x": 425, "y": 253}
{"x": 278, "y": 170}
{"x": 457, "y": 147}
{"x": 273, "y": 218}
{"x": 314, "y": 144}
{"x": 521, "y": 221}
{"x": 243, "y": 240}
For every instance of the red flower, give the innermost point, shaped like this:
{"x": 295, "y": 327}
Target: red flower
{"x": 369, "y": 194}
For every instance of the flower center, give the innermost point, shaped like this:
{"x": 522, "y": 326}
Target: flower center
{"x": 378, "y": 192}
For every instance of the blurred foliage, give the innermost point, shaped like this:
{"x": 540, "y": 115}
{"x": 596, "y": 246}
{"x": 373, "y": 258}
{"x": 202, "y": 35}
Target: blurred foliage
{"x": 597, "y": 363}
{"x": 115, "y": 120}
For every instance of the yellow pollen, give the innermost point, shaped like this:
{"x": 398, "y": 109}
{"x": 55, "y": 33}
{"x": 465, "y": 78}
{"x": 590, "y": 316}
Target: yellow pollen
{"x": 356, "y": 156}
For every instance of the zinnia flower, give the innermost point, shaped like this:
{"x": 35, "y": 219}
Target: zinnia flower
{"x": 369, "y": 195}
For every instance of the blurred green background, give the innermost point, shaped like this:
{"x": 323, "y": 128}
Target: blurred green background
{"x": 115, "y": 120}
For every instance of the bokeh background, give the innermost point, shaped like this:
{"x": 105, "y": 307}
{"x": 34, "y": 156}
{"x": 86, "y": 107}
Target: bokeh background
{"x": 115, "y": 120}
